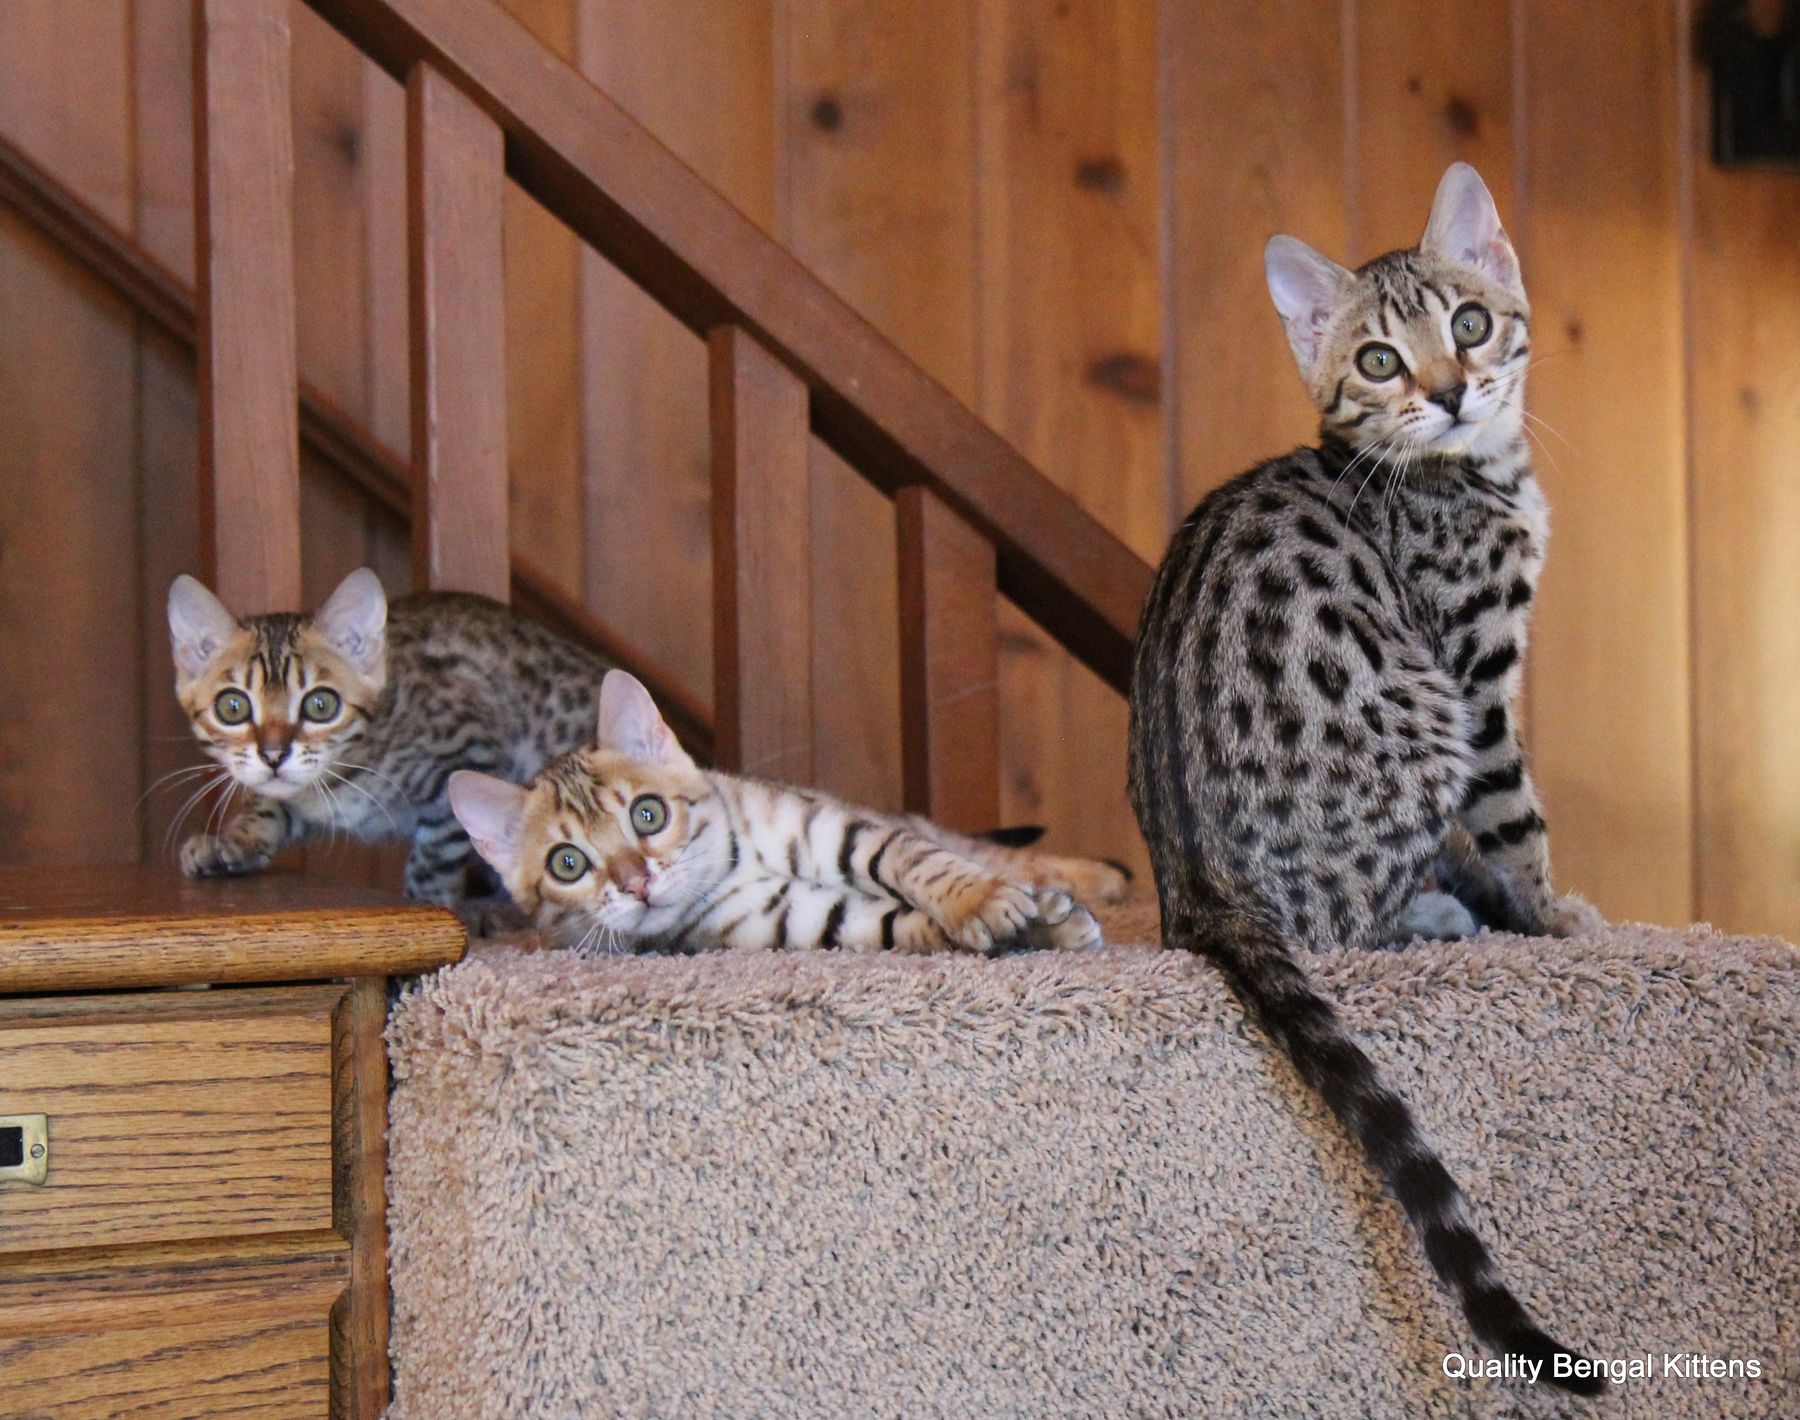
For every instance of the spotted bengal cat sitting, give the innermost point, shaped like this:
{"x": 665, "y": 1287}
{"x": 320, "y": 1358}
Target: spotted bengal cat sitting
{"x": 629, "y": 845}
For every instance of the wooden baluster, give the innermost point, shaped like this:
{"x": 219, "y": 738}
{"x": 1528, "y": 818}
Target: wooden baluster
{"x": 949, "y": 664}
{"x": 762, "y": 562}
{"x": 455, "y": 188}
{"x": 244, "y": 258}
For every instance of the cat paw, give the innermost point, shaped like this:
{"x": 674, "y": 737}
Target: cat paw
{"x": 1076, "y": 931}
{"x": 1000, "y": 916}
{"x": 1435, "y": 916}
{"x": 206, "y": 856}
{"x": 1572, "y": 916}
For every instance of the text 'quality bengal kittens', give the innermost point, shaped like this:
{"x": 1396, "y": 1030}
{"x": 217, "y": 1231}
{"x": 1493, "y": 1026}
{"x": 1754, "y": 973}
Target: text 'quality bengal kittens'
{"x": 628, "y": 845}
{"x": 351, "y": 720}
{"x": 1321, "y": 716}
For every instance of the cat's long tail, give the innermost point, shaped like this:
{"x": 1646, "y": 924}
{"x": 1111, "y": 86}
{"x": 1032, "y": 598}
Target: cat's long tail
{"x": 1262, "y": 971}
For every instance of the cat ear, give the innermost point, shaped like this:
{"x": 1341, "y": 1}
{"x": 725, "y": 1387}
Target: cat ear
{"x": 354, "y": 620}
{"x": 492, "y": 813}
{"x": 630, "y": 724}
{"x": 1465, "y": 228}
{"x": 199, "y": 625}
{"x": 1306, "y": 288}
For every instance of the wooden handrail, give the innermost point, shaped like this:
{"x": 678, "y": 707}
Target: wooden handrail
{"x": 339, "y": 440}
{"x": 599, "y": 171}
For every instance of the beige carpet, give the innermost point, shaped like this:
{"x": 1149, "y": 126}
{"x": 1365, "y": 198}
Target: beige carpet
{"x": 1056, "y": 1185}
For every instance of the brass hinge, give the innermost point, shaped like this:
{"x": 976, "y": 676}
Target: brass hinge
{"x": 24, "y": 1148}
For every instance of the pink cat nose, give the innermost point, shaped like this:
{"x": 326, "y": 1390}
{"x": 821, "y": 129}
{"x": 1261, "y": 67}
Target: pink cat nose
{"x": 638, "y": 885}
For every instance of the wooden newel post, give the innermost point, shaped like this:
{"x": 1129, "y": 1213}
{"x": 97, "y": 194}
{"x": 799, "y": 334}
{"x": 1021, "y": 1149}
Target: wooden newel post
{"x": 762, "y": 562}
{"x": 457, "y": 278}
{"x": 244, "y": 261}
{"x": 949, "y": 664}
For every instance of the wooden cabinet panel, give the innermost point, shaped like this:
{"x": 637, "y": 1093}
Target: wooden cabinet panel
{"x": 171, "y": 1116}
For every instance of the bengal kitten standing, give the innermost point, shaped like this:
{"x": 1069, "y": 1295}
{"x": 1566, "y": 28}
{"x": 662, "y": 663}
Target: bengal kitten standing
{"x": 628, "y": 845}
{"x": 350, "y": 720}
{"x": 1320, "y": 709}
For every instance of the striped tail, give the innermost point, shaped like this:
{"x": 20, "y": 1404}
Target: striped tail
{"x": 1265, "y": 976}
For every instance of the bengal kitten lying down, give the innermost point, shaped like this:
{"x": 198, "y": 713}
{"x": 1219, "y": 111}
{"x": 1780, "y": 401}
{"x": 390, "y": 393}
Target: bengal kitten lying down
{"x": 628, "y": 845}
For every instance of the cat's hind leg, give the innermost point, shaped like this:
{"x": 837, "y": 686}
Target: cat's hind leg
{"x": 440, "y": 869}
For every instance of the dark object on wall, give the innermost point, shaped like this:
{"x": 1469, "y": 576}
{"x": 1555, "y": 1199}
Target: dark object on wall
{"x": 1755, "y": 84}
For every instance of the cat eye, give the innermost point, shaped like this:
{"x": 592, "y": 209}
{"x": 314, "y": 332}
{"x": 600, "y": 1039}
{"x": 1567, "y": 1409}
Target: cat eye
{"x": 231, "y": 707}
{"x": 1378, "y": 362}
{"x": 321, "y": 705}
{"x": 649, "y": 814}
{"x": 567, "y": 863}
{"x": 1470, "y": 325}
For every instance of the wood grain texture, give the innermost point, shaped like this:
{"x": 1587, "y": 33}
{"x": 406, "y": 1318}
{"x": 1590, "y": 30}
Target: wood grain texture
{"x": 69, "y": 644}
{"x": 136, "y": 927}
{"x": 592, "y": 166}
{"x": 877, "y": 162}
{"x": 173, "y": 1124}
{"x": 1744, "y": 407}
{"x": 1070, "y": 355}
{"x": 249, "y": 434}
{"x": 762, "y": 563}
{"x": 458, "y": 340}
{"x": 1601, "y": 245}
{"x": 701, "y": 78}
{"x": 1251, "y": 150}
{"x": 949, "y": 665}
{"x": 359, "y": 1320}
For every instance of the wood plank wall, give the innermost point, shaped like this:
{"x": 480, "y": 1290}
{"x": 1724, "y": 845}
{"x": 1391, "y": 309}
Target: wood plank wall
{"x": 1057, "y": 207}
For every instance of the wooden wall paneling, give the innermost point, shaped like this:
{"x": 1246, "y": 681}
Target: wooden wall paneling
{"x": 1432, "y": 85}
{"x": 1743, "y": 363}
{"x": 876, "y": 118}
{"x": 949, "y": 664}
{"x": 700, "y": 78}
{"x": 244, "y": 264}
{"x": 1254, "y": 145}
{"x": 762, "y": 563}
{"x": 455, "y": 187}
{"x": 70, "y": 718}
{"x": 1071, "y": 340}
{"x": 1602, "y": 250}
{"x": 168, "y": 531}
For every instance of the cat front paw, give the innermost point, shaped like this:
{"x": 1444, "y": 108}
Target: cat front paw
{"x": 993, "y": 919}
{"x": 1573, "y": 916}
{"x": 207, "y": 856}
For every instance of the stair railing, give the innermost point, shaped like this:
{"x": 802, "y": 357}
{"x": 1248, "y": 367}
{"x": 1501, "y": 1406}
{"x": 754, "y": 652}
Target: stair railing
{"x": 787, "y": 359}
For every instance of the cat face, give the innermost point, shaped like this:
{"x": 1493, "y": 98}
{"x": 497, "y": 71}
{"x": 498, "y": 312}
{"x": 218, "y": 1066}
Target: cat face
{"x": 1420, "y": 353}
{"x": 279, "y": 700}
{"x": 607, "y": 840}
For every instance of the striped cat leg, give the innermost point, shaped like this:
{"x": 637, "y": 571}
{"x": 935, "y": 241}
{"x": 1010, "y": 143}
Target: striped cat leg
{"x": 1090, "y": 879}
{"x": 437, "y": 868}
{"x": 246, "y": 844}
{"x": 977, "y": 910}
{"x": 1502, "y": 814}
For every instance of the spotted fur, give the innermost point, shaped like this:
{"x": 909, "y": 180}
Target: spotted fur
{"x": 1321, "y": 706}
{"x": 438, "y": 682}
{"x": 629, "y": 845}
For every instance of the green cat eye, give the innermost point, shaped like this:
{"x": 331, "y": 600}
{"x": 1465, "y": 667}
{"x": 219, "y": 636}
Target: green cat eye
{"x": 649, "y": 814}
{"x": 1470, "y": 325}
{"x": 231, "y": 707}
{"x": 1378, "y": 362}
{"x": 567, "y": 863}
{"x": 321, "y": 705}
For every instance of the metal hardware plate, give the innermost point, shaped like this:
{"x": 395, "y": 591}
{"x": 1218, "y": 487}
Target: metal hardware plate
{"x": 24, "y": 1148}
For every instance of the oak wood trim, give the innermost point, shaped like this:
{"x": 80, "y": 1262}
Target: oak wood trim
{"x": 359, "y": 1320}
{"x": 762, "y": 562}
{"x": 456, "y": 278}
{"x": 244, "y": 258}
{"x": 949, "y": 665}
{"x": 344, "y": 443}
{"x": 594, "y": 167}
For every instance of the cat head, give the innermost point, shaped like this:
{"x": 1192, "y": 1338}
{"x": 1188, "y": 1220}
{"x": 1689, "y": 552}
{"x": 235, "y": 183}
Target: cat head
{"x": 1420, "y": 353}
{"x": 607, "y": 839}
{"x": 278, "y": 700}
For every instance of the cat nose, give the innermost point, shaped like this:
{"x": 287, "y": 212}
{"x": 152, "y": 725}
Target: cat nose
{"x": 273, "y": 754}
{"x": 1449, "y": 398}
{"x": 638, "y": 885}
